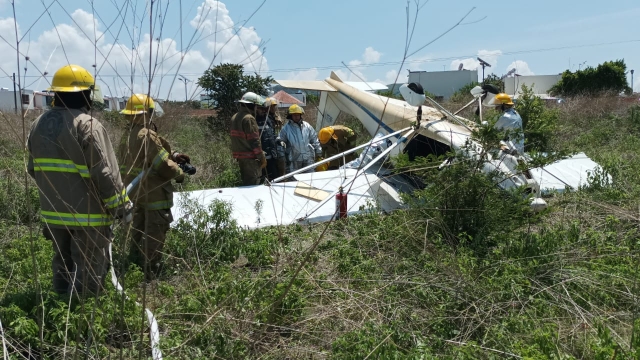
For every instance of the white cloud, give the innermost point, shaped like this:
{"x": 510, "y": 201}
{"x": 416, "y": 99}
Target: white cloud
{"x": 353, "y": 73}
{"x": 311, "y": 74}
{"x": 243, "y": 47}
{"x": 416, "y": 63}
{"x": 342, "y": 74}
{"x": 72, "y": 41}
{"x": 390, "y": 76}
{"x": 371, "y": 56}
{"x": 467, "y": 64}
{"x": 356, "y": 67}
{"x": 522, "y": 68}
{"x": 490, "y": 56}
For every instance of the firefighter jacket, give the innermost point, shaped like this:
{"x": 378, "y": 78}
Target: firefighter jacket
{"x": 512, "y": 122}
{"x": 245, "y": 136}
{"x": 75, "y": 168}
{"x": 302, "y": 142}
{"x": 267, "y": 137}
{"x": 276, "y": 120}
{"x": 143, "y": 149}
{"x": 346, "y": 141}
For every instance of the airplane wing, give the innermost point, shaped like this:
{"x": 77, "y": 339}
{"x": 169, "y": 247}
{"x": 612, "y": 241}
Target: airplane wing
{"x": 571, "y": 173}
{"x": 286, "y": 204}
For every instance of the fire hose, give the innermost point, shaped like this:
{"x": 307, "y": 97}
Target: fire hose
{"x": 5, "y": 354}
{"x": 154, "y": 333}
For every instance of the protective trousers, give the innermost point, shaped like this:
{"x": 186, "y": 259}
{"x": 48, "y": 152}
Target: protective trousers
{"x": 81, "y": 258}
{"x": 250, "y": 171}
{"x": 272, "y": 170}
{"x": 149, "y": 232}
{"x": 282, "y": 166}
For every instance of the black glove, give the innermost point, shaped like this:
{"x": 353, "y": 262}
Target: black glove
{"x": 187, "y": 168}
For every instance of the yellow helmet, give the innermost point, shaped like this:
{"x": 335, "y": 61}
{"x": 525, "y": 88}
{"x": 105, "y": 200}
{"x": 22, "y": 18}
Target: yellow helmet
{"x": 271, "y": 101}
{"x": 71, "y": 78}
{"x": 295, "y": 109}
{"x": 503, "y": 99}
{"x": 138, "y": 104}
{"x": 325, "y": 134}
{"x": 322, "y": 167}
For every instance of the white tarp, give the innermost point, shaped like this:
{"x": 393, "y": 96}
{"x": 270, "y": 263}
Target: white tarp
{"x": 569, "y": 173}
{"x": 279, "y": 205}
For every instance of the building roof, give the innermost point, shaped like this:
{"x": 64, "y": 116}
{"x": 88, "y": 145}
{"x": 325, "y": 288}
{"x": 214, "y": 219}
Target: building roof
{"x": 285, "y": 98}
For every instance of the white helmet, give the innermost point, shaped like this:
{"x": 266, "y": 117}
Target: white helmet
{"x": 252, "y": 98}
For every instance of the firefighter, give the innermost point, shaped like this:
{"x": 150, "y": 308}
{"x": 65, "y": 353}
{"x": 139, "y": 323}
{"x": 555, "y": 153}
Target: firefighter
{"x": 302, "y": 145}
{"x": 245, "y": 138}
{"x": 142, "y": 149}
{"x": 280, "y": 145}
{"x": 509, "y": 121}
{"x": 269, "y": 142}
{"x": 273, "y": 114}
{"x": 75, "y": 168}
{"x": 334, "y": 140}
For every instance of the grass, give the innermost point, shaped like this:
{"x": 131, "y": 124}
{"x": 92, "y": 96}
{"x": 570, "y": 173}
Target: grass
{"x": 465, "y": 272}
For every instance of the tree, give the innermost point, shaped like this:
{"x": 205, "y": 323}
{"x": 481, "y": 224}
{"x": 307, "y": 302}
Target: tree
{"x": 609, "y": 76}
{"x": 539, "y": 122}
{"x": 495, "y": 80}
{"x": 463, "y": 95}
{"x": 390, "y": 94}
{"x": 225, "y": 84}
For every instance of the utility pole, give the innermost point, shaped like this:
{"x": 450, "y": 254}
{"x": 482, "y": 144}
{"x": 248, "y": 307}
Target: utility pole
{"x": 15, "y": 93}
{"x": 483, "y": 64}
{"x": 632, "y": 81}
{"x": 185, "y": 80}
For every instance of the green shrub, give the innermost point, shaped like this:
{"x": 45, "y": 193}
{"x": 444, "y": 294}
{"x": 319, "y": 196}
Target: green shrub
{"x": 538, "y": 121}
{"x": 609, "y": 76}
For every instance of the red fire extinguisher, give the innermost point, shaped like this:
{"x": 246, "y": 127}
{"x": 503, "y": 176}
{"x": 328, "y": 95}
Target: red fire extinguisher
{"x": 341, "y": 203}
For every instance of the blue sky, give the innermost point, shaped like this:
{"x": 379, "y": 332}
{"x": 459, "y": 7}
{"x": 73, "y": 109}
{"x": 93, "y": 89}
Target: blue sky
{"x": 303, "y": 39}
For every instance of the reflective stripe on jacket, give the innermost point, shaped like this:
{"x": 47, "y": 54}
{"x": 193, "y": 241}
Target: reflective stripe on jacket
{"x": 245, "y": 136}
{"x": 75, "y": 168}
{"x": 144, "y": 149}
{"x": 302, "y": 142}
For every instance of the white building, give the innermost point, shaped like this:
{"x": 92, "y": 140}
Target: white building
{"x": 115, "y": 103}
{"x": 9, "y": 100}
{"x": 541, "y": 84}
{"x": 42, "y": 100}
{"x": 443, "y": 83}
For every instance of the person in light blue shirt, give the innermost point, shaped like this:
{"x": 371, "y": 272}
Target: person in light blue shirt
{"x": 301, "y": 139}
{"x": 510, "y": 121}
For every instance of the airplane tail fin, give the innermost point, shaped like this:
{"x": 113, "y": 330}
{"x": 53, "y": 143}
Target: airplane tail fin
{"x": 335, "y": 77}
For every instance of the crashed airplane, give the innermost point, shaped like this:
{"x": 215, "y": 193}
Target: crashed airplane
{"x": 396, "y": 126}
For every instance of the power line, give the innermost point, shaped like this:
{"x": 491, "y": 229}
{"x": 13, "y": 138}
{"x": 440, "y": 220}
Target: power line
{"x": 388, "y": 63}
